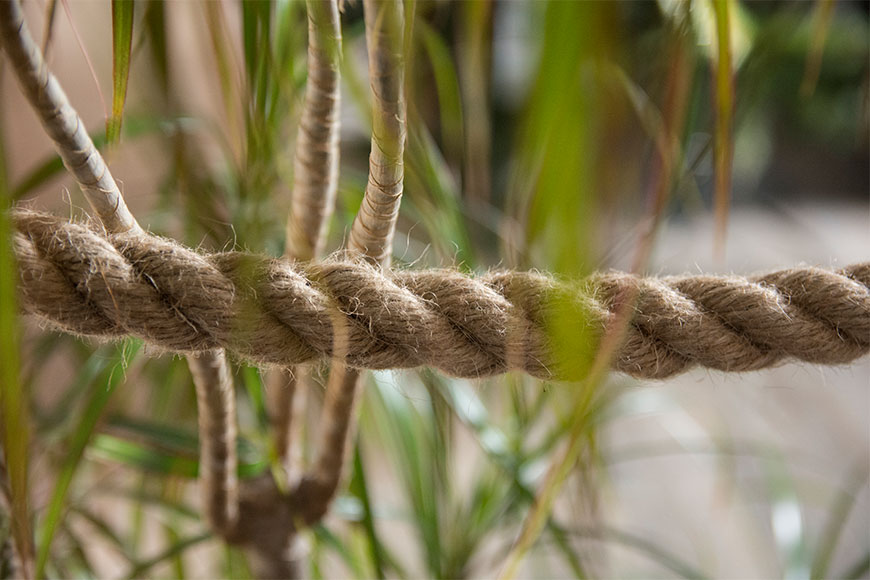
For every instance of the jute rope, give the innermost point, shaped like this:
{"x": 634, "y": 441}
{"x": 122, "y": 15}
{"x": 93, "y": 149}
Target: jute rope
{"x": 274, "y": 312}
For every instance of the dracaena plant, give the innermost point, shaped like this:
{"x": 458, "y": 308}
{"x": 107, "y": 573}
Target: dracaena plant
{"x": 267, "y": 467}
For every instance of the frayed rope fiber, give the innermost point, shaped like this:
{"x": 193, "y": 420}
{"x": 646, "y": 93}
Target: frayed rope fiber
{"x": 275, "y": 312}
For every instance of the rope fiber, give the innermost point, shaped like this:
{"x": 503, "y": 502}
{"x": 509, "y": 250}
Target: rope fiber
{"x": 80, "y": 280}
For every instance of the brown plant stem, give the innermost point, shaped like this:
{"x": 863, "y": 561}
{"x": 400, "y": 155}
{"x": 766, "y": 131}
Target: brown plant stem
{"x": 61, "y": 122}
{"x": 372, "y": 232}
{"x": 315, "y": 177}
{"x": 216, "y": 406}
{"x": 315, "y": 181}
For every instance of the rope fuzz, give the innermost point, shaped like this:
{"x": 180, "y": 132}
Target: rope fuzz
{"x": 277, "y": 313}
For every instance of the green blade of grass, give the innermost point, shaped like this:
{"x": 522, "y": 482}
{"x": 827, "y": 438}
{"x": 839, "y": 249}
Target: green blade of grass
{"x": 325, "y": 537}
{"x": 122, "y": 43}
{"x": 13, "y": 400}
{"x": 447, "y": 89}
{"x": 650, "y": 549}
{"x": 154, "y": 23}
{"x": 838, "y": 515}
{"x": 857, "y": 570}
{"x": 148, "y": 498}
{"x": 822, "y": 14}
{"x": 140, "y": 570}
{"x": 103, "y": 390}
{"x": 104, "y": 530}
{"x": 152, "y": 460}
{"x": 511, "y": 460}
{"x": 57, "y": 418}
{"x": 120, "y": 451}
{"x": 723, "y": 146}
{"x": 406, "y": 430}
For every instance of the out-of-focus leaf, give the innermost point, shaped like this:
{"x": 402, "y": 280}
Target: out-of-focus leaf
{"x": 447, "y": 87}
{"x": 14, "y": 426}
{"x": 147, "y": 458}
{"x": 154, "y": 23}
{"x": 359, "y": 487}
{"x": 102, "y": 391}
{"x": 824, "y": 11}
{"x": 325, "y": 537}
{"x": 838, "y": 515}
{"x": 122, "y": 43}
{"x": 406, "y": 430}
{"x": 140, "y": 570}
{"x": 433, "y": 198}
{"x": 857, "y": 570}
{"x": 723, "y": 145}
{"x": 138, "y": 456}
{"x": 741, "y": 31}
{"x": 644, "y": 546}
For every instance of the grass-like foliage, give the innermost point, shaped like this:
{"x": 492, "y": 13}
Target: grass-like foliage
{"x": 546, "y": 135}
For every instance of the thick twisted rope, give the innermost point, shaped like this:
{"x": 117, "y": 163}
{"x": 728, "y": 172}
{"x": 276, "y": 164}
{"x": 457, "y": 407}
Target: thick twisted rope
{"x": 274, "y": 312}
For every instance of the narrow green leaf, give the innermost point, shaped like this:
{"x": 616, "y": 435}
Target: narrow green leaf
{"x": 822, "y": 15}
{"x": 141, "y": 569}
{"x": 650, "y": 549}
{"x": 723, "y": 147}
{"x": 122, "y": 43}
{"x": 102, "y": 392}
{"x": 838, "y": 515}
{"x": 330, "y": 540}
{"x": 857, "y": 570}
{"x": 116, "y": 450}
{"x": 447, "y": 87}
{"x": 359, "y": 487}
{"x": 149, "y": 459}
{"x": 13, "y": 401}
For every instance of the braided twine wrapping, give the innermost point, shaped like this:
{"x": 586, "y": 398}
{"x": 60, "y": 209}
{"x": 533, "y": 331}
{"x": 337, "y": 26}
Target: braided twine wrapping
{"x": 275, "y": 312}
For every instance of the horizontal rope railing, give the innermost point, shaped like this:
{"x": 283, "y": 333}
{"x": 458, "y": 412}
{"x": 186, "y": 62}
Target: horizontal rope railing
{"x": 270, "y": 311}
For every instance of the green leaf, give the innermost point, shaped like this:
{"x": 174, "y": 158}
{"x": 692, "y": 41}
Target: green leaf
{"x": 139, "y": 571}
{"x": 100, "y": 396}
{"x": 122, "y": 42}
{"x": 723, "y": 146}
{"x": 13, "y": 400}
{"x": 447, "y": 87}
{"x": 838, "y": 514}
{"x": 117, "y": 450}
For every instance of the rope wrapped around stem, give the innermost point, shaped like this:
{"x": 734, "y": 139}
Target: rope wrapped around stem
{"x": 268, "y": 311}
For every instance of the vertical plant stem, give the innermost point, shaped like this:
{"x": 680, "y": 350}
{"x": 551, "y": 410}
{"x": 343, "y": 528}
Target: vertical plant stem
{"x": 375, "y": 223}
{"x": 372, "y": 231}
{"x": 315, "y": 177}
{"x": 315, "y": 180}
{"x": 723, "y": 143}
{"x": 80, "y": 156}
{"x": 216, "y": 409}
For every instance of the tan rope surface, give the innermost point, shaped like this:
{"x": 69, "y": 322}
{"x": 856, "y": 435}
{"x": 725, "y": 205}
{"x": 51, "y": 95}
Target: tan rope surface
{"x": 274, "y": 312}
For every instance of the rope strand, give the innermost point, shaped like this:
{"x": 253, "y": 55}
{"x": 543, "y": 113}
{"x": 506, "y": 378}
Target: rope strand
{"x": 272, "y": 312}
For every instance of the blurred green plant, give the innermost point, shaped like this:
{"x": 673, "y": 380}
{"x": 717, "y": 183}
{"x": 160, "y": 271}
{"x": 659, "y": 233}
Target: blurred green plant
{"x": 445, "y": 472}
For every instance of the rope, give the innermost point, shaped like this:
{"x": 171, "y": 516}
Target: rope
{"x": 270, "y": 311}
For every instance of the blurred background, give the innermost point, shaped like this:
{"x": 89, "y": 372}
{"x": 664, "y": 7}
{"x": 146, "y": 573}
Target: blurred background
{"x": 562, "y": 136}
